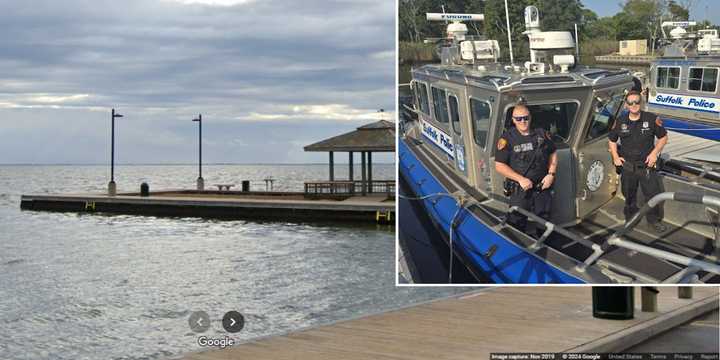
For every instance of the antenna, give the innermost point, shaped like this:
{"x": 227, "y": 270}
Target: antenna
{"x": 577, "y": 44}
{"x": 507, "y": 20}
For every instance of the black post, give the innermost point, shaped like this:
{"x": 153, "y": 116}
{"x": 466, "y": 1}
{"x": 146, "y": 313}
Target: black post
{"x": 613, "y": 302}
{"x": 112, "y": 147}
{"x": 350, "y": 169}
{"x": 200, "y": 145}
{"x": 200, "y": 181}
{"x": 364, "y": 173}
{"x": 112, "y": 186}
{"x": 370, "y": 181}
{"x": 332, "y": 167}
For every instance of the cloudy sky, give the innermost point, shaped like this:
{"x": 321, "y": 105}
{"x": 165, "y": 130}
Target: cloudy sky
{"x": 269, "y": 76}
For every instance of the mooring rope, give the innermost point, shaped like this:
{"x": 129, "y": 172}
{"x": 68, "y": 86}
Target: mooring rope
{"x": 460, "y": 200}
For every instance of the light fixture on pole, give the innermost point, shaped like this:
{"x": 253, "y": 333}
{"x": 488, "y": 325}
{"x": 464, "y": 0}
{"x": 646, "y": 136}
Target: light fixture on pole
{"x": 112, "y": 187}
{"x": 200, "y": 181}
{"x": 382, "y": 112}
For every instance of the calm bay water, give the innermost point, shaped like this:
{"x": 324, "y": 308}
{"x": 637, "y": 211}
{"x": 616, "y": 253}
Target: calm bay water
{"x": 80, "y": 286}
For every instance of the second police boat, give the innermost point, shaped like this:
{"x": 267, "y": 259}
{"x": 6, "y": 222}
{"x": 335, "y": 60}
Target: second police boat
{"x": 683, "y": 81}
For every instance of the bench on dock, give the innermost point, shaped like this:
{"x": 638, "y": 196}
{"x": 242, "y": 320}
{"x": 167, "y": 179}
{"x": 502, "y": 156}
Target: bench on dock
{"x": 224, "y": 186}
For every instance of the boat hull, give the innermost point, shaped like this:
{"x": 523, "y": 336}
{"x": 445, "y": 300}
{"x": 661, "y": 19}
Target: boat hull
{"x": 694, "y": 128}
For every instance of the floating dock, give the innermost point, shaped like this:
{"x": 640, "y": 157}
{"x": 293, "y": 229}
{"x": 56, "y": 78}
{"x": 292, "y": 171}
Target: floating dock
{"x": 471, "y": 326}
{"x": 625, "y": 59}
{"x": 222, "y": 204}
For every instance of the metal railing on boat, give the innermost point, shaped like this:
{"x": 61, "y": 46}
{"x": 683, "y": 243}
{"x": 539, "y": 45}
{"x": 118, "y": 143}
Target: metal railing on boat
{"x": 686, "y": 275}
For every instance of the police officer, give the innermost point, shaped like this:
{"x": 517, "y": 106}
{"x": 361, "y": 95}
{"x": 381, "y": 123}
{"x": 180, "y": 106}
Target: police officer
{"x": 527, "y": 159}
{"x": 637, "y": 155}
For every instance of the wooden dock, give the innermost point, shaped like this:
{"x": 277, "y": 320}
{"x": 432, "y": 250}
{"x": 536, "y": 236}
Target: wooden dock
{"x": 471, "y": 326}
{"x": 225, "y": 204}
{"x": 625, "y": 59}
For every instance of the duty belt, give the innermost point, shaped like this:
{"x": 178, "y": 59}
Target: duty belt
{"x": 634, "y": 166}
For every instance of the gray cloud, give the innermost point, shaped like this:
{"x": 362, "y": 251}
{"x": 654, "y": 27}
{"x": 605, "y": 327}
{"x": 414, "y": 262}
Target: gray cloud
{"x": 280, "y": 71}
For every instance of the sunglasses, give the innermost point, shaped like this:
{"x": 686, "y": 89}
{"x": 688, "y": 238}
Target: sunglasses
{"x": 521, "y": 118}
{"x": 631, "y": 103}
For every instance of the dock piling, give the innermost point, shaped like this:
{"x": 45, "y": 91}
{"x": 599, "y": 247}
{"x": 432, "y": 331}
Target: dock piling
{"x": 648, "y": 298}
{"x": 685, "y": 292}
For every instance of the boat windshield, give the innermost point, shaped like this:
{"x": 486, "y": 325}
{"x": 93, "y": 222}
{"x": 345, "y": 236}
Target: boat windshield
{"x": 556, "y": 118}
{"x": 603, "y": 116}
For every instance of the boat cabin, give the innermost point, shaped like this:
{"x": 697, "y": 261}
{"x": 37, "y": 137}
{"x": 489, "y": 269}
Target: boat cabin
{"x": 464, "y": 111}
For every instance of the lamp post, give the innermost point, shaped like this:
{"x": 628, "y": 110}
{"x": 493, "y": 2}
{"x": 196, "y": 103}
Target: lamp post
{"x": 200, "y": 181}
{"x": 112, "y": 187}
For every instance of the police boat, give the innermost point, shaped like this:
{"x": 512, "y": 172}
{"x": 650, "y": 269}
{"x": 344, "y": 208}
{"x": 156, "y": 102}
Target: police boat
{"x": 449, "y": 135}
{"x": 683, "y": 80}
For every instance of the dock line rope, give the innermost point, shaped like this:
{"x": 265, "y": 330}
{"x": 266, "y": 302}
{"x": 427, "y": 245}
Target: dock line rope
{"x": 462, "y": 200}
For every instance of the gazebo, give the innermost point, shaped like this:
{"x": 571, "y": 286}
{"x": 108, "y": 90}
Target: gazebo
{"x": 378, "y": 136}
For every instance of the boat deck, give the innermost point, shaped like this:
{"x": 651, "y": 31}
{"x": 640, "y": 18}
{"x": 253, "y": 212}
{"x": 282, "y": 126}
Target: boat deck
{"x": 676, "y": 239}
{"x": 471, "y": 326}
{"x": 692, "y": 148}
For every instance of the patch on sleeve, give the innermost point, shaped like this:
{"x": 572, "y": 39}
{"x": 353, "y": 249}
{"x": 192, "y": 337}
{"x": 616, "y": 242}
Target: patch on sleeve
{"x": 501, "y": 143}
{"x": 548, "y": 136}
{"x": 658, "y": 122}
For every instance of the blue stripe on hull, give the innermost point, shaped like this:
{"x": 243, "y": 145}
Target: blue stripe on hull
{"x": 710, "y": 132}
{"x": 510, "y": 263}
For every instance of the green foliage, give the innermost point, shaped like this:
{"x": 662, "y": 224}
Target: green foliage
{"x": 496, "y": 28}
{"x": 560, "y": 15}
{"x": 602, "y": 28}
{"x": 705, "y": 24}
{"x": 640, "y": 19}
{"x": 412, "y": 52}
{"x": 677, "y": 12}
{"x": 590, "y": 49}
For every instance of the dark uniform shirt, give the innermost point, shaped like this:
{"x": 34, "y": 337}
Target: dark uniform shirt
{"x": 516, "y": 150}
{"x": 637, "y": 138}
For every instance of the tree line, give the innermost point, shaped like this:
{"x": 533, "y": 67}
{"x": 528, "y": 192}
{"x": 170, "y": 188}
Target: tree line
{"x": 638, "y": 19}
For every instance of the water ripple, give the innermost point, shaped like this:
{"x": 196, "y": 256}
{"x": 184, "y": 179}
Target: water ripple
{"x": 88, "y": 286}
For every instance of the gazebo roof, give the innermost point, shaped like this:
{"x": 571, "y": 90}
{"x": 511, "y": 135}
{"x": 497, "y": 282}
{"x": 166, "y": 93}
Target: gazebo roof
{"x": 378, "y": 136}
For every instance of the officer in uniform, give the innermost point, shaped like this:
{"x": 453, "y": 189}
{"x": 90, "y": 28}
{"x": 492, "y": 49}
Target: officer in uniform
{"x": 527, "y": 159}
{"x": 637, "y": 155}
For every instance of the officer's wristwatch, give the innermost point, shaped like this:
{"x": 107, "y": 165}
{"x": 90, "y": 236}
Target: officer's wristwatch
{"x": 551, "y": 173}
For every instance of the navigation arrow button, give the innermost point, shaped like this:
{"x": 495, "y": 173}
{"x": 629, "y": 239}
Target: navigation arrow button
{"x": 233, "y": 321}
{"x": 199, "y": 321}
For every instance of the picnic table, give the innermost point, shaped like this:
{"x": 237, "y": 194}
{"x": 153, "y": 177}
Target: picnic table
{"x": 225, "y": 186}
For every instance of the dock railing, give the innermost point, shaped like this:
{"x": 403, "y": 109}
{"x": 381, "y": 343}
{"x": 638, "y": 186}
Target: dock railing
{"x": 376, "y": 186}
{"x": 345, "y": 189}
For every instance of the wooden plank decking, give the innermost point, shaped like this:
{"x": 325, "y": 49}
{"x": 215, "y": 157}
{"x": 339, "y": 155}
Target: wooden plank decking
{"x": 510, "y": 319}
